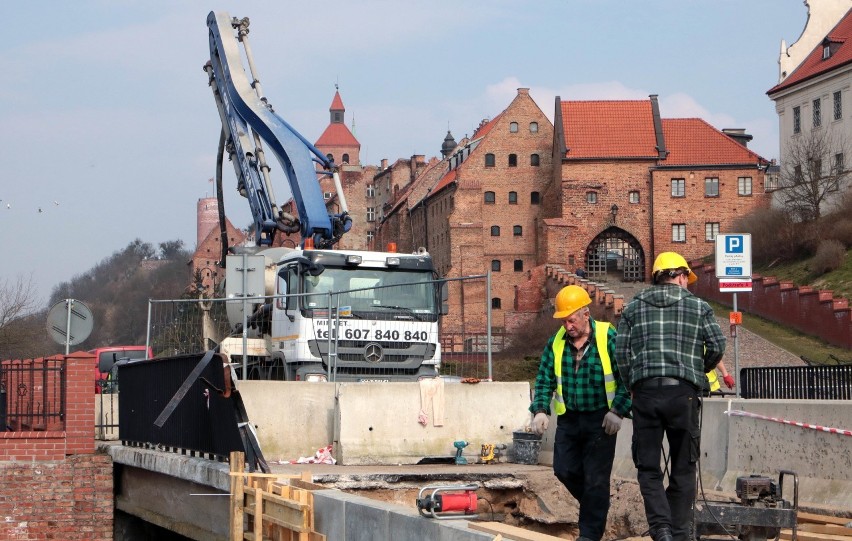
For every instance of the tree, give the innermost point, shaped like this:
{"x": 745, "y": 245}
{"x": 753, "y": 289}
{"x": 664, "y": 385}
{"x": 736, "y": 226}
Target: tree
{"x": 813, "y": 172}
{"x": 17, "y": 302}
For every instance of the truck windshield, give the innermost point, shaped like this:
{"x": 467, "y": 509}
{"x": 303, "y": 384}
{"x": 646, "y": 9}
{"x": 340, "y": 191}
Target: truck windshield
{"x": 370, "y": 292}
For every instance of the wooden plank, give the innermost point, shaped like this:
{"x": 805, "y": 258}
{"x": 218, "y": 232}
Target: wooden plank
{"x": 511, "y": 532}
{"x": 787, "y": 535}
{"x": 822, "y": 519}
{"x": 258, "y": 514}
{"x": 825, "y": 528}
{"x": 306, "y": 485}
{"x": 237, "y": 460}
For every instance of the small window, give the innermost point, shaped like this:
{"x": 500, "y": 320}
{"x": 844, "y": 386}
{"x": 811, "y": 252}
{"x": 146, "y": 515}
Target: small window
{"x": 489, "y": 198}
{"x": 338, "y": 116}
{"x": 517, "y": 230}
{"x": 371, "y": 191}
{"x": 495, "y": 230}
{"x": 345, "y": 158}
{"x": 330, "y": 157}
{"x": 797, "y": 119}
{"x": 495, "y": 265}
{"x": 711, "y": 229}
{"x": 371, "y": 214}
{"x": 326, "y": 195}
{"x": 826, "y": 52}
{"x": 744, "y": 186}
{"x": 519, "y": 265}
{"x": 513, "y": 160}
{"x": 678, "y": 187}
{"x": 678, "y": 232}
{"x": 591, "y": 197}
{"x": 513, "y": 198}
{"x": 711, "y": 187}
{"x": 535, "y": 161}
{"x": 370, "y": 236}
{"x": 513, "y": 127}
{"x": 838, "y": 166}
{"x": 838, "y": 106}
{"x": 533, "y": 127}
{"x": 489, "y": 160}
{"x": 633, "y": 197}
{"x": 817, "y": 103}
{"x": 534, "y": 198}
{"x": 495, "y": 303}
{"x": 570, "y": 260}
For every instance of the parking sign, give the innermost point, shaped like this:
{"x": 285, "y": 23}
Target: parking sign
{"x": 733, "y": 255}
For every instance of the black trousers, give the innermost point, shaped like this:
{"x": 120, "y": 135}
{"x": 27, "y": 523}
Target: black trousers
{"x": 671, "y": 411}
{"x": 582, "y": 461}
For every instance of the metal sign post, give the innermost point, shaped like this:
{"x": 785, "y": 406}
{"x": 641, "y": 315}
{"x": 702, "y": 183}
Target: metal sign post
{"x": 733, "y": 269}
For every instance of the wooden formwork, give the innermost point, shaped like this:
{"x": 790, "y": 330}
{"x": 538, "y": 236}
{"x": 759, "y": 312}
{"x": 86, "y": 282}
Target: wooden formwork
{"x": 271, "y": 507}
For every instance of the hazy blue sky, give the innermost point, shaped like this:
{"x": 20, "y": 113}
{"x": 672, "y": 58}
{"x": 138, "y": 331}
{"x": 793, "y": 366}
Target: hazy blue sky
{"x": 109, "y": 127}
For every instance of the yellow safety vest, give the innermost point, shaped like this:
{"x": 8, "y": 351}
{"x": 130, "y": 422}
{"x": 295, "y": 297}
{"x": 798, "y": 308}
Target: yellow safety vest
{"x": 714, "y": 380}
{"x": 601, "y": 329}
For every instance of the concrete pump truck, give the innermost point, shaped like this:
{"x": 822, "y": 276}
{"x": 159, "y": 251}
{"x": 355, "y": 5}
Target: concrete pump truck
{"x": 325, "y": 314}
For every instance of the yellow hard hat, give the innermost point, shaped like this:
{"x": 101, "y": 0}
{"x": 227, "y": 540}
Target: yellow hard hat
{"x": 569, "y": 300}
{"x": 672, "y": 261}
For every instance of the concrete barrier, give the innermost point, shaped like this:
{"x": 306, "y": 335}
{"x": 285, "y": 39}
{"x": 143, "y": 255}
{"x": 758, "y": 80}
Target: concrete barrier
{"x": 733, "y": 446}
{"x": 377, "y": 423}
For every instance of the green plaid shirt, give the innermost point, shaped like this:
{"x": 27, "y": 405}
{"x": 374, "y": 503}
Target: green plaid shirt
{"x": 584, "y": 389}
{"x": 667, "y": 331}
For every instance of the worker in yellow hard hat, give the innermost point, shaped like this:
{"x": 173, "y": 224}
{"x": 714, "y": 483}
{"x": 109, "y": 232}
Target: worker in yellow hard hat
{"x": 578, "y": 374}
{"x": 668, "y": 339}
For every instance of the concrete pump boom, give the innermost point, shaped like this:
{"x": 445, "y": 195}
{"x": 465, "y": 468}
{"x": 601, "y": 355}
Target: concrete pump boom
{"x": 247, "y": 118}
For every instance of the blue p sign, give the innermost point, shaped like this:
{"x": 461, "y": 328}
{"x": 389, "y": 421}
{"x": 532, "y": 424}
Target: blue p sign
{"x": 734, "y": 244}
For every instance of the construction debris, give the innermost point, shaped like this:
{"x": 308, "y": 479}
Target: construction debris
{"x": 814, "y": 527}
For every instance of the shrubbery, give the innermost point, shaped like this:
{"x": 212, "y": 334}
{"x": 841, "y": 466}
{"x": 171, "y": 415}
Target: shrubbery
{"x": 829, "y": 256}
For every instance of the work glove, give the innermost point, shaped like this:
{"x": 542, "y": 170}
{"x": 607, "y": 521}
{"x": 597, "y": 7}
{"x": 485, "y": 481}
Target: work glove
{"x": 611, "y": 423}
{"x": 540, "y": 422}
{"x": 729, "y": 381}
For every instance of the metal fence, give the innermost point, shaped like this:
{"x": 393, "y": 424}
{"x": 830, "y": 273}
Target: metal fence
{"x": 797, "y": 382}
{"x": 32, "y": 394}
{"x": 187, "y": 326}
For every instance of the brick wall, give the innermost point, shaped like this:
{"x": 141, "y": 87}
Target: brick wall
{"x": 52, "y": 485}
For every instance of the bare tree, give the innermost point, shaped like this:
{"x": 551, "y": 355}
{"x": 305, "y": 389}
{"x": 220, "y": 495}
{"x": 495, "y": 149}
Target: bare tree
{"x": 813, "y": 172}
{"x": 17, "y": 301}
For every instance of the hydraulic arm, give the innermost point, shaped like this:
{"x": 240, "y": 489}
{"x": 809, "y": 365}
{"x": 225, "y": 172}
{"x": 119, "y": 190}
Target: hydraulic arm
{"x": 248, "y": 121}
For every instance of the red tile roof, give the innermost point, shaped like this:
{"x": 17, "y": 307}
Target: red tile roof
{"x": 814, "y": 64}
{"x": 692, "y": 141}
{"x": 445, "y": 181}
{"x": 337, "y": 103}
{"x": 337, "y": 135}
{"x": 483, "y": 129}
{"x": 609, "y": 129}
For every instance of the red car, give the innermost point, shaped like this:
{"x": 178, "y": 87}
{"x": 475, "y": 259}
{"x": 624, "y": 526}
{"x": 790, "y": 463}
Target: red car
{"x": 106, "y": 357}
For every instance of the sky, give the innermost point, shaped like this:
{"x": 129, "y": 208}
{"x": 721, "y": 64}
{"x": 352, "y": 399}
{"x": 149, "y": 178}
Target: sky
{"x": 109, "y": 131}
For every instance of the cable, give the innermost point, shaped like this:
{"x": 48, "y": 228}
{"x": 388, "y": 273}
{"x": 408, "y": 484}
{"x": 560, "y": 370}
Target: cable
{"x": 700, "y": 482}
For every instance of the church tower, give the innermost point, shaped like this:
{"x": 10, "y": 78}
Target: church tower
{"x": 337, "y": 142}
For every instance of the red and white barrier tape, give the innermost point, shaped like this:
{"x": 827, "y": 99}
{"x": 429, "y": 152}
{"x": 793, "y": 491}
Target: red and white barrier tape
{"x": 830, "y": 430}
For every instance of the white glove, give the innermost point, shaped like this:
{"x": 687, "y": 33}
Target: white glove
{"x": 539, "y": 424}
{"x": 611, "y": 423}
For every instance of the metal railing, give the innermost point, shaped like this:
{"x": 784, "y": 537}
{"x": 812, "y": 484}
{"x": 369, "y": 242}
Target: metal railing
{"x": 32, "y": 392}
{"x": 797, "y": 382}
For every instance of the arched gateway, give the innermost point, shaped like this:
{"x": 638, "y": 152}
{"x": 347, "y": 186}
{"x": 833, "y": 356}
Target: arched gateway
{"x": 615, "y": 255}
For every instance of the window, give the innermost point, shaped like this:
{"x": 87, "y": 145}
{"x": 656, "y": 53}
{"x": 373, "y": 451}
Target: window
{"x": 495, "y": 265}
{"x": 817, "y": 112}
{"x": 711, "y": 229}
{"x": 513, "y": 160}
{"x": 495, "y": 230}
{"x": 534, "y": 160}
{"x": 838, "y": 106}
{"x": 838, "y": 163}
{"x": 345, "y": 158}
{"x": 570, "y": 260}
{"x": 370, "y": 236}
{"x": 513, "y": 127}
{"x": 326, "y": 195}
{"x": 797, "y": 173}
{"x": 678, "y": 187}
{"x": 744, "y": 186}
{"x": 338, "y": 116}
{"x": 517, "y": 230}
{"x": 489, "y": 160}
{"x": 711, "y": 187}
{"x": 371, "y": 191}
{"x": 591, "y": 197}
{"x": 371, "y": 214}
{"x": 513, "y": 198}
{"x": 797, "y": 120}
{"x": 826, "y": 52}
{"x": 489, "y": 198}
{"x": 519, "y": 265}
{"x": 534, "y": 198}
{"x": 330, "y": 157}
{"x": 678, "y": 232}
{"x": 633, "y": 197}
{"x": 495, "y": 303}
{"x": 533, "y": 127}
